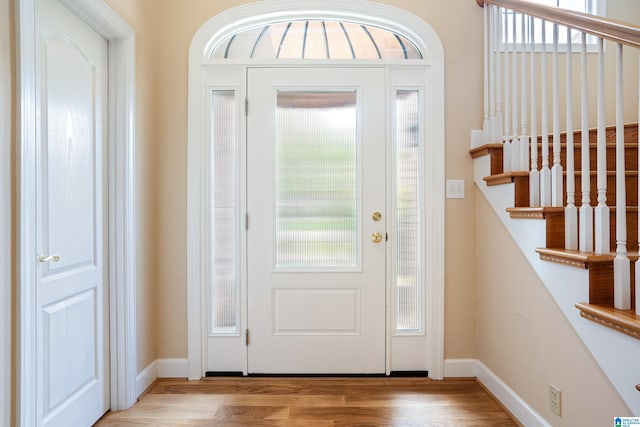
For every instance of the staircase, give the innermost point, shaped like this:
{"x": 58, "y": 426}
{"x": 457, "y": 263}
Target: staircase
{"x": 599, "y": 308}
{"x": 581, "y": 283}
{"x": 532, "y": 174}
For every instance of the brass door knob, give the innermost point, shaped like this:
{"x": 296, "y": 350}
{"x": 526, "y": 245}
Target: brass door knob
{"x": 376, "y": 237}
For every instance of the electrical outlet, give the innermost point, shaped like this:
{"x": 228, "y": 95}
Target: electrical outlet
{"x": 555, "y": 400}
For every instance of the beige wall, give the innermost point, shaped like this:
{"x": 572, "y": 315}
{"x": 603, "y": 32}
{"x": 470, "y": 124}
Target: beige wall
{"x": 178, "y": 24}
{"x": 141, "y": 15}
{"x": 524, "y": 337}
{"x": 463, "y": 102}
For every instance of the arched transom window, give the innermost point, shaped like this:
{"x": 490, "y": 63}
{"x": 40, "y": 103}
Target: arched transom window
{"x": 316, "y": 39}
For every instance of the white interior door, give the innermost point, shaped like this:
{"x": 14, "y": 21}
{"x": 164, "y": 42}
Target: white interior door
{"x": 72, "y": 347}
{"x": 316, "y": 203}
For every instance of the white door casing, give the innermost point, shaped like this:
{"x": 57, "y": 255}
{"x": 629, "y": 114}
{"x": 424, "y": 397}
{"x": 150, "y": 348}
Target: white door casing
{"x": 316, "y": 280}
{"x": 202, "y": 74}
{"x": 120, "y": 202}
{"x": 6, "y": 215}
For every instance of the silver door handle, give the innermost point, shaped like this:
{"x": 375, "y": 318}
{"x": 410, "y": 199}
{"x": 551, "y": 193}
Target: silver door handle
{"x": 45, "y": 258}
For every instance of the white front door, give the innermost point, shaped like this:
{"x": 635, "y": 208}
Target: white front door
{"x": 71, "y": 296}
{"x": 316, "y": 220}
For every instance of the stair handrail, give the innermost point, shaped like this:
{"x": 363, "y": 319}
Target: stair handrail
{"x": 610, "y": 29}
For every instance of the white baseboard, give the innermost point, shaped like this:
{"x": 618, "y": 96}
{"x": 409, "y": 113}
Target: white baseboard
{"x": 473, "y": 368}
{"x": 172, "y": 368}
{"x": 514, "y": 403}
{"x": 460, "y": 368}
{"x": 146, "y": 378}
{"x": 160, "y": 368}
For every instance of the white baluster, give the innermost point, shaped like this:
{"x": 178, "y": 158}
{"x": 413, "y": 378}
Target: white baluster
{"x": 601, "y": 217}
{"x": 492, "y": 73}
{"x": 506, "y": 154}
{"x": 515, "y": 141}
{"x": 621, "y": 264}
{"x": 586, "y": 210}
{"x": 499, "y": 122}
{"x": 524, "y": 133}
{"x": 556, "y": 169}
{"x": 534, "y": 174}
{"x": 486, "y": 132}
{"x": 570, "y": 212}
{"x": 637, "y": 278}
{"x": 545, "y": 172}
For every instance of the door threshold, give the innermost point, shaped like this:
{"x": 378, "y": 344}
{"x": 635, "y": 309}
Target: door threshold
{"x": 405, "y": 374}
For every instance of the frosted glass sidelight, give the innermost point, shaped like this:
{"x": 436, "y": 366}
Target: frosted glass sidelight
{"x": 224, "y": 210}
{"x": 408, "y": 286}
{"x": 316, "y": 184}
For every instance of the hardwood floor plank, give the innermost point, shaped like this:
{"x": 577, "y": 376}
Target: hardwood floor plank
{"x": 310, "y": 402}
{"x": 252, "y": 412}
{"x": 176, "y": 422}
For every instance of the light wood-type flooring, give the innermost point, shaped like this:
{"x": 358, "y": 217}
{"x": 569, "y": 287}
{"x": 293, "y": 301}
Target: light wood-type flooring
{"x": 310, "y": 402}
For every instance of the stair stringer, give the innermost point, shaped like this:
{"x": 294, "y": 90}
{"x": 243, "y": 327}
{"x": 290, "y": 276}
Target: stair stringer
{"x": 617, "y": 354}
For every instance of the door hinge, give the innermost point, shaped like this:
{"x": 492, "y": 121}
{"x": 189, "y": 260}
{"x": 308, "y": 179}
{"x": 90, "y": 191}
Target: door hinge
{"x": 246, "y": 106}
{"x": 246, "y": 221}
{"x": 246, "y": 334}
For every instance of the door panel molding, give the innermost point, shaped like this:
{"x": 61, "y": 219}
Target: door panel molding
{"x": 202, "y": 67}
{"x": 121, "y": 201}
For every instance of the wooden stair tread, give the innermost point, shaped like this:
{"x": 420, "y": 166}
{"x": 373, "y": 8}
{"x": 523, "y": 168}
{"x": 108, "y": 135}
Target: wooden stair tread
{"x": 630, "y": 131}
{"x": 504, "y": 178}
{"x": 506, "y": 175}
{"x": 579, "y": 259}
{"x": 534, "y": 212}
{"x": 624, "y": 321}
{"x": 484, "y": 149}
{"x": 573, "y": 258}
{"x": 543, "y": 212}
{"x": 592, "y": 145}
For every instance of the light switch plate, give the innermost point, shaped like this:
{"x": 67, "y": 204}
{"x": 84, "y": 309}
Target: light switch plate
{"x": 455, "y": 189}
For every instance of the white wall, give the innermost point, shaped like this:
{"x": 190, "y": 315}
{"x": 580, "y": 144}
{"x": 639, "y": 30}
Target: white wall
{"x": 6, "y": 118}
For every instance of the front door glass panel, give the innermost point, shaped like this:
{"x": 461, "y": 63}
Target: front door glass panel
{"x": 316, "y": 180}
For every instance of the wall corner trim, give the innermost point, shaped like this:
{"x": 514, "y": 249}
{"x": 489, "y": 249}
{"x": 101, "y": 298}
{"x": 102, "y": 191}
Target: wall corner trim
{"x": 460, "y": 368}
{"x": 146, "y": 377}
{"x": 172, "y": 368}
